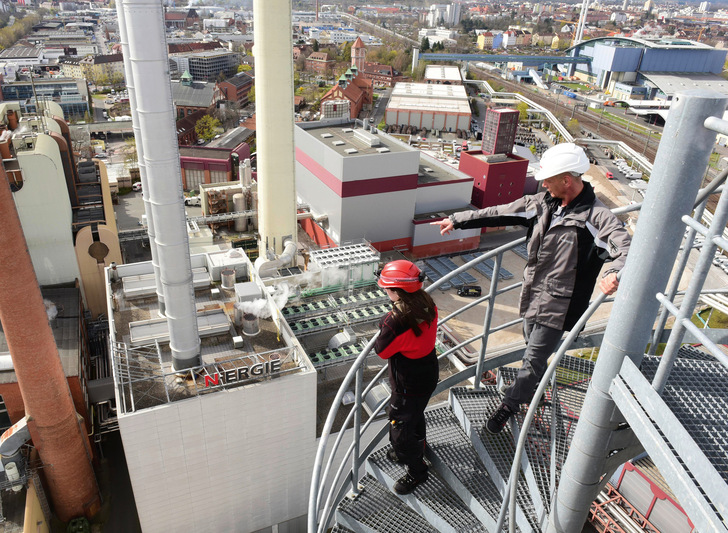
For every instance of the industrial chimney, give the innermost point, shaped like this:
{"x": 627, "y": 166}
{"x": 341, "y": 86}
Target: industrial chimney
{"x": 58, "y": 434}
{"x": 274, "y": 109}
{"x": 148, "y": 60}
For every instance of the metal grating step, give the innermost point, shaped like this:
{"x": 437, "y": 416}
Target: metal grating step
{"x": 560, "y": 410}
{"x": 378, "y": 510}
{"x": 684, "y": 431}
{"x": 338, "y": 528}
{"x": 433, "y": 499}
{"x": 472, "y": 409}
{"x": 455, "y": 460}
{"x": 693, "y": 386}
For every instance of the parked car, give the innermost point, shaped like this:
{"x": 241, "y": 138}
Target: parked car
{"x": 137, "y": 186}
{"x": 472, "y": 291}
{"x": 610, "y": 176}
{"x": 193, "y": 200}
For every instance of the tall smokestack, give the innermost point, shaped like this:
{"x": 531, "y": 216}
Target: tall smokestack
{"x": 274, "y": 110}
{"x": 131, "y": 87}
{"x": 144, "y": 21}
{"x": 58, "y": 433}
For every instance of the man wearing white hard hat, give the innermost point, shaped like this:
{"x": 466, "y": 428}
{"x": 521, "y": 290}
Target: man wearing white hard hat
{"x": 571, "y": 234}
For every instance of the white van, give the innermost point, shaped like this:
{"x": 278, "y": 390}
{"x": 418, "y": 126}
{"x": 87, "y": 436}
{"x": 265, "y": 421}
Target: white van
{"x": 193, "y": 200}
{"x": 137, "y": 186}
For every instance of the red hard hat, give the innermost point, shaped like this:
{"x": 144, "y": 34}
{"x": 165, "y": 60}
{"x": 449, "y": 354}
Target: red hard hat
{"x": 402, "y": 274}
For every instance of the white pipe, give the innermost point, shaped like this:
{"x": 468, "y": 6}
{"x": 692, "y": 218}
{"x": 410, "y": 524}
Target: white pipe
{"x": 266, "y": 269}
{"x": 6, "y": 363}
{"x": 144, "y": 22}
{"x": 274, "y": 117}
{"x": 131, "y": 87}
{"x": 246, "y": 174}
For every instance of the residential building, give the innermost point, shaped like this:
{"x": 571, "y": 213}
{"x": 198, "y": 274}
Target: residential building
{"x": 485, "y": 41}
{"x": 235, "y": 89}
{"x": 71, "y": 67}
{"x": 320, "y": 63}
{"x": 381, "y": 75}
{"x": 103, "y": 69}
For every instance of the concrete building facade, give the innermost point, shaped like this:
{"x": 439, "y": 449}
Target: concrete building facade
{"x": 438, "y": 107}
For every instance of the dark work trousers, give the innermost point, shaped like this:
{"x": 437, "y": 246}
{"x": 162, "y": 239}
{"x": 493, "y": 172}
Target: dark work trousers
{"x": 541, "y": 342}
{"x": 407, "y": 430}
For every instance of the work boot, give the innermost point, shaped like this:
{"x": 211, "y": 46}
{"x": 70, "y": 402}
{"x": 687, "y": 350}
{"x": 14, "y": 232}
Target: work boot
{"x": 407, "y": 483}
{"x": 499, "y": 419}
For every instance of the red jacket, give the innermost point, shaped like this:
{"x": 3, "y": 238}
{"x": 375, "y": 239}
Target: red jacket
{"x": 392, "y": 340}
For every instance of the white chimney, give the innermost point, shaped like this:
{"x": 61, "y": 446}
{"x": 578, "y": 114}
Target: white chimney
{"x": 148, "y": 58}
{"x": 274, "y": 117}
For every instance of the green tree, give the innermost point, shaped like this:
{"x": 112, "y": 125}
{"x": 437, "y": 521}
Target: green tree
{"x": 206, "y": 127}
{"x": 251, "y": 95}
{"x": 522, "y": 111}
{"x": 131, "y": 159}
{"x": 425, "y": 44}
{"x": 315, "y": 45}
{"x": 244, "y": 68}
{"x": 573, "y": 127}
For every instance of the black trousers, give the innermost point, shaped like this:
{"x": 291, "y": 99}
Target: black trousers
{"x": 407, "y": 430}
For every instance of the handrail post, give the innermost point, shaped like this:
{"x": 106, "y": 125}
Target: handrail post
{"x": 488, "y": 319}
{"x": 356, "y": 460}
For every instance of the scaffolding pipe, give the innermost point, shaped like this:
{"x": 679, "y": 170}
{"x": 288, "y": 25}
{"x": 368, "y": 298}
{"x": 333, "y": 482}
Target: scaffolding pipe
{"x": 681, "y": 158}
{"x": 148, "y": 58}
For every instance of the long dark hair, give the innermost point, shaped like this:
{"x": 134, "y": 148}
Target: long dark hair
{"x": 413, "y": 308}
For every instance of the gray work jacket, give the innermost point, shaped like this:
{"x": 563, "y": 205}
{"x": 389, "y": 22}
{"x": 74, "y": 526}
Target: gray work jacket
{"x": 564, "y": 259}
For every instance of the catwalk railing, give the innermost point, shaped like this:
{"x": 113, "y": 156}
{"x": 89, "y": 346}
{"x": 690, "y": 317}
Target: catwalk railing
{"x": 322, "y": 504}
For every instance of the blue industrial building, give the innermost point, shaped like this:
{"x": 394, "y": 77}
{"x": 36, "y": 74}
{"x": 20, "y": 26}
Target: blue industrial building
{"x": 641, "y": 69}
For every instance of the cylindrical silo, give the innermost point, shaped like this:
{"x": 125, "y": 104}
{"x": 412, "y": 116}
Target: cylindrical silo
{"x": 241, "y": 224}
{"x": 274, "y": 117}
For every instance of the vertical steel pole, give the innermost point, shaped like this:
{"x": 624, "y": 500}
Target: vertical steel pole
{"x": 358, "y": 387}
{"x": 488, "y": 320}
{"x": 681, "y": 157}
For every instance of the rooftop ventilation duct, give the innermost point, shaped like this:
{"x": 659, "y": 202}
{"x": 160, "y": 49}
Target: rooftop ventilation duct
{"x": 144, "y": 23}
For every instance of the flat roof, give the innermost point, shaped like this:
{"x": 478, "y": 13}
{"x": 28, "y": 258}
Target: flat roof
{"x": 430, "y": 97}
{"x": 671, "y": 83}
{"x": 443, "y": 73}
{"x": 434, "y": 169}
{"x": 204, "y": 152}
{"x": 343, "y": 138}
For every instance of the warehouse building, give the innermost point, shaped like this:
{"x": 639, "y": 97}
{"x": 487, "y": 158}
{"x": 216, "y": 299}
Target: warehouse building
{"x": 434, "y": 107}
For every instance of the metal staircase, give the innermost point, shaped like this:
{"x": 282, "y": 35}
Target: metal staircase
{"x": 586, "y": 418}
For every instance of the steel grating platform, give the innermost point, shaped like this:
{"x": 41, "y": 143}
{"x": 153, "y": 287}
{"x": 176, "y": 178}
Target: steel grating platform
{"x": 377, "y": 509}
{"x": 496, "y": 451}
{"x": 560, "y": 410}
{"x": 694, "y": 385}
{"x": 454, "y": 458}
{"x": 338, "y": 528}
{"x": 433, "y": 499}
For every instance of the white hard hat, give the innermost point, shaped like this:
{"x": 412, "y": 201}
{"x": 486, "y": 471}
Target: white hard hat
{"x": 564, "y": 157}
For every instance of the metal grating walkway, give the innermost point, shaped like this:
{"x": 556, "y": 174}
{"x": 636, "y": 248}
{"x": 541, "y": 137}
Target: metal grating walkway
{"x": 496, "y": 451}
{"x": 377, "y": 509}
{"x": 692, "y": 387}
{"x": 454, "y": 458}
{"x": 433, "y": 499}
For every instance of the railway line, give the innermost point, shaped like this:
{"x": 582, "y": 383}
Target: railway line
{"x": 564, "y": 112}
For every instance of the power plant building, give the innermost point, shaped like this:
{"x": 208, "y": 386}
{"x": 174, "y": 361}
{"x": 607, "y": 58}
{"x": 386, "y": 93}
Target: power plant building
{"x": 369, "y": 185}
{"x": 434, "y": 107}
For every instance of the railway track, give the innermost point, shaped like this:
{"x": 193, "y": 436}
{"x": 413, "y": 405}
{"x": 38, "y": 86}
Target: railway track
{"x": 564, "y": 112}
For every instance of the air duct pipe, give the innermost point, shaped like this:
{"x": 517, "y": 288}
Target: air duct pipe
{"x": 246, "y": 174}
{"x": 274, "y": 109}
{"x": 148, "y": 58}
{"x": 57, "y": 433}
{"x": 267, "y": 268}
{"x": 131, "y": 88}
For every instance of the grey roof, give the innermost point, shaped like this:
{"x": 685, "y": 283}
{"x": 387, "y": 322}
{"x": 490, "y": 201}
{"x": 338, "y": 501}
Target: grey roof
{"x": 240, "y": 79}
{"x": 671, "y": 82}
{"x": 66, "y": 331}
{"x": 20, "y": 52}
{"x": 198, "y": 94}
{"x": 233, "y": 138}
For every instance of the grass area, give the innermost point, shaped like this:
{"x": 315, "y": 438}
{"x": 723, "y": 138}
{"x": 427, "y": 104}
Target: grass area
{"x": 714, "y": 158}
{"x": 575, "y": 85}
{"x": 616, "y": 119}
{"x": 717, "y": 320}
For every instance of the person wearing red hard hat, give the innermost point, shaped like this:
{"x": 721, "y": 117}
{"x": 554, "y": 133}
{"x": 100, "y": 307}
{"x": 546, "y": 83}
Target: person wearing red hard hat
{"x": 407, "y": 341}
{"x": 571, "y": 234}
